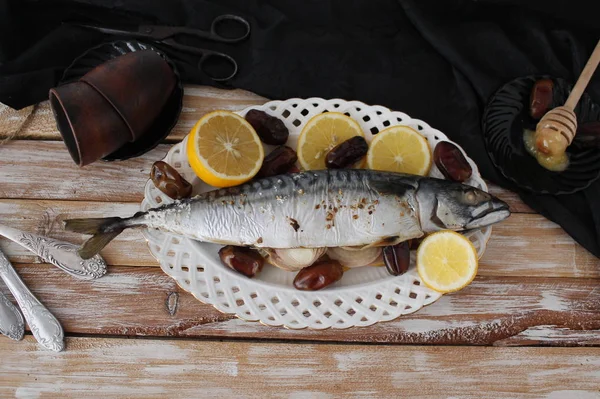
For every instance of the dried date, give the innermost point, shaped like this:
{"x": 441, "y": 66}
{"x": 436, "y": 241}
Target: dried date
{"x": 318, "y": 275}
{"x": 169, "y": 181}
{"x": 397, "y": 258}
{"x": 541, "y": 97}
{"x": 241, "y": 259}
{"x": 270, "y": 129}
{"x": 279, "y": 161}
{"x": 450, "y": 160}
{"x": 415, "y": 242}
{"x": 347, "y": 153}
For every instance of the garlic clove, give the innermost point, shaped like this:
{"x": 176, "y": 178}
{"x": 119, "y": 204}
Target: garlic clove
{"x": 293, "y": 259}
{"x": 354, "y": 258}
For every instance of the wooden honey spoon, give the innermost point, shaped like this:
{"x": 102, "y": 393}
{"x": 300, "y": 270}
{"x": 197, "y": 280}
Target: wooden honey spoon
{"x": 556, "y": 130}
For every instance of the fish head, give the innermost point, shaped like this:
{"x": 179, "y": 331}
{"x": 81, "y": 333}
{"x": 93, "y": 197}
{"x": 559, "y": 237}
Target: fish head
{"x": 446, "y": 205}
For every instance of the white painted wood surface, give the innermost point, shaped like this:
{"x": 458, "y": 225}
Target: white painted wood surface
{"x": 542, "y": 248}
{"x": 50, "y": 173}
{"x": 536, "y": 287}
{"x": 109, "y": 367}
{"x": 143, "y": 301}
{"x": 45, "y": 170}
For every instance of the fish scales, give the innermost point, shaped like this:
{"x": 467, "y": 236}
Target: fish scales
{"x": 313, "y": 209}
{"x": 310, "y": 210}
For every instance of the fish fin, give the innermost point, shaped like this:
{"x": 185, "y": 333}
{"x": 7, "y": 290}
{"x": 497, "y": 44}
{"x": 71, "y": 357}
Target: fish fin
{"x": 90, "y": 226}
{"x": 103, "y": 230}
{"x": 386, "y": 241}
{"x": 95, "y": 244}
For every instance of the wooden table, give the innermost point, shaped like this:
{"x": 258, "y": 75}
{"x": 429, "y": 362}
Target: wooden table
{"x": 528, "y": 326}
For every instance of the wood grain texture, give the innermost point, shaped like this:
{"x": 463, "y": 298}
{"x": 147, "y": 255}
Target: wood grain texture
{"x": 45, "y": 217}
{"x": 542, "y": 248}
{"x": 197, "y": 101}
{"x": 541, "y": 335}
{"x": 144, "y": 301}
{"x": 45, "y": 170}
{"x": 536, "y": 287}
{"x": 510, "y": 197}
{"x": 531, "y": 245}
{"x": 188, "y": 369}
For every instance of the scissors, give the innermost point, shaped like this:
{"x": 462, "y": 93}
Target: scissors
{"x": 164, "y": 35}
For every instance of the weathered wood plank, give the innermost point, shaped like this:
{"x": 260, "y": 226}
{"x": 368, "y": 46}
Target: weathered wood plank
{"x": 146, "y": 302}
{"x": 197, "y": 101}
{"x": 45, "y": 170}
{"x": 540, "y": 335}
{"x": 181, "y": 368}
{"x": 523, "y": 245}
{"x": 531, "y": 245}
{"x": 46, "y": 218}
{"x": 511, "y": 198}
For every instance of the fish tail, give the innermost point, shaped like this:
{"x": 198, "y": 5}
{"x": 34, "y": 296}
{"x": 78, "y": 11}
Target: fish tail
{"x": 103, "y": 231}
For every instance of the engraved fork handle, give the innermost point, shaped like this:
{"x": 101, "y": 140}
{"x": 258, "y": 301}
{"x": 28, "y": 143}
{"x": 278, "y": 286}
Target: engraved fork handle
{"x": 59, "y": 253}
{"x": 44, "y": 326}
{"x": 11, "y": 321}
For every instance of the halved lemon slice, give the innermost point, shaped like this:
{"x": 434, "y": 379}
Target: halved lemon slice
{"x": 320, "y": 134}
{"x": 447, "y": 261}
{"x": 224, "y": 150}
{"x": 400, "y": 149}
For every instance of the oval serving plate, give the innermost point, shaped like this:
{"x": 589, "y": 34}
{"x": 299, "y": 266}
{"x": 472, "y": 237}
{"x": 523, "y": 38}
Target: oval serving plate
{"x": 364, "y": 296}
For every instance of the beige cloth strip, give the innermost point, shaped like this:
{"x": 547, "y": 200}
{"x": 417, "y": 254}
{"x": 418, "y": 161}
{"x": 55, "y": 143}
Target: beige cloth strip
{"x": 12, "y": 121}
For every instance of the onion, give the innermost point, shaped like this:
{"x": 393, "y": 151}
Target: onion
{"x": 293, "y": 259}
{"x": 353, "y": 257}
{"x": 353, "y": 249}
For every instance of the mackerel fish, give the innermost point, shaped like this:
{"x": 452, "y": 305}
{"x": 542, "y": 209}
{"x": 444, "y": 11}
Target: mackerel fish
{"x": 312, "y": 209}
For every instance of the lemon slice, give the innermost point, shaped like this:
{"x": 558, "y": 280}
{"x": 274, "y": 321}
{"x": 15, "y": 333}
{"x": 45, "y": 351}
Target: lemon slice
{"x": 320, "y": 134}
{"x": 224, "y": 150}
{"x": 447, "y": 261}
{"x": 400, "y": 149}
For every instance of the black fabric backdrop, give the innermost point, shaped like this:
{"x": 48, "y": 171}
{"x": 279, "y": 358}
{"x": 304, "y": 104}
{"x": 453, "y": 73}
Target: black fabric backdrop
{"x": 439, "y": 61}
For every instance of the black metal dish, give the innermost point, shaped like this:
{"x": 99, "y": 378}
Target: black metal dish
{"x": 164, "y": 122}
{"x": 504, "y": 119}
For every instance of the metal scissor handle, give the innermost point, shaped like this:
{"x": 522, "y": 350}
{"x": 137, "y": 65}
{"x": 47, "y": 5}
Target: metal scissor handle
{"x": 215, "y": 54}
{"x": 206, "y": 55}
{"x": 224, "y": 18}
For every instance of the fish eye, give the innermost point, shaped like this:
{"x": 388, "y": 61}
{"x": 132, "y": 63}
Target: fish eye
{"x": 471, "y": 197}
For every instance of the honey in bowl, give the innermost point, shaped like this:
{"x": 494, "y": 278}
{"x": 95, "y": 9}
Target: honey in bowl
{"x": 554, "y": 163}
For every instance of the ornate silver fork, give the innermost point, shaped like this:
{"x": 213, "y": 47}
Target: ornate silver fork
{"x": 59, "y": 253}
{"x": 44, "y": 326}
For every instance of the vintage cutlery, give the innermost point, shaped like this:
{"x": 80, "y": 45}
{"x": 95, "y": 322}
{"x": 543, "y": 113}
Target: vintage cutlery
{"x": 11, "y": 321}
{"x": 45, "y": 327}
{"x": 61, "y": 254}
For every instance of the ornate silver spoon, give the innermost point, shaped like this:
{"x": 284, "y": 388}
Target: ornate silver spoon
{"x": 44, "y": 326}
{"x": 11, "y": 321}
{"x": 61, "y": 254}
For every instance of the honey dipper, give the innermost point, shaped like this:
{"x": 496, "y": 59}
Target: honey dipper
{"x": 556, "y": 130}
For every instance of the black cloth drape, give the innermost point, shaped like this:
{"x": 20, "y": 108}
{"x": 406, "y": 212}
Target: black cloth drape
{"x": 439, "y": 61}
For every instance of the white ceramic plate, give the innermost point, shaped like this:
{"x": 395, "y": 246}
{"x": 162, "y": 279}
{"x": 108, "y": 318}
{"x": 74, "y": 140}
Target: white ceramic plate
{"x": 363, "y": 296}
